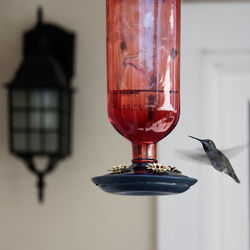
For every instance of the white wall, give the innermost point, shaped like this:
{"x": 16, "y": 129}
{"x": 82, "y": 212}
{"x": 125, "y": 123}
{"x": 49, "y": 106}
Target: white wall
{"x": 76, "y": 214}
{"x": 220, "y": 29}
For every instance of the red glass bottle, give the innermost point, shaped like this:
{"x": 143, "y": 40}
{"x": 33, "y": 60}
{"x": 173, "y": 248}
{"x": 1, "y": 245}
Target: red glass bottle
{"x": 143, "y": 57}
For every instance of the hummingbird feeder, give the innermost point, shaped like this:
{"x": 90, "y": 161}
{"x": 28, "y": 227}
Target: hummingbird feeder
{"x": 143, "y": 57}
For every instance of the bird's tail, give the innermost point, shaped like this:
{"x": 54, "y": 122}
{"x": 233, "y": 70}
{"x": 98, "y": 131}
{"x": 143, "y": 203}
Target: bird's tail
{"x": 233, "y": 175}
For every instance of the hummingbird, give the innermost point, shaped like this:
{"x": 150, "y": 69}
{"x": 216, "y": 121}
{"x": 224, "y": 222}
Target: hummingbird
{"x": 218, "y": 160}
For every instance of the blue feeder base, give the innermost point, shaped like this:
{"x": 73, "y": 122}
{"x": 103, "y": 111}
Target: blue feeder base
{"x": 143, "y": 184}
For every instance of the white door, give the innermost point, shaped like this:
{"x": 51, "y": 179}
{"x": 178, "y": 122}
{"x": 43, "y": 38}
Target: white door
{"x": 215, "y": 96}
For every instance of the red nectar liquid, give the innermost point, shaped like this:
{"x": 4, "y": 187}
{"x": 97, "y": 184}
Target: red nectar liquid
{"x": 142, "y": 116}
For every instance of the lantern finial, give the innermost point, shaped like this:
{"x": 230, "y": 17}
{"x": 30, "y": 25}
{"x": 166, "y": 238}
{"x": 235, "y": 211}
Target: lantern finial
{"x": 39, "y": 16}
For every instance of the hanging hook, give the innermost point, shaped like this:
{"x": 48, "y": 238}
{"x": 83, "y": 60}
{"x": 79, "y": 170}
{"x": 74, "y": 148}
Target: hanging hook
{"x": 40, "y": 174}
{"x": 40, "y": 186}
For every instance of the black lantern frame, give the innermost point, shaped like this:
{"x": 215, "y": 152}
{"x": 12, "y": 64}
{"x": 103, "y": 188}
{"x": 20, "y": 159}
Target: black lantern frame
{"x": 40, "y": 99}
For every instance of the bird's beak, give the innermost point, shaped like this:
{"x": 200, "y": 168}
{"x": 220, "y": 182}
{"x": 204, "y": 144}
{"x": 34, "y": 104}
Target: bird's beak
{"x": 195, "y": 138}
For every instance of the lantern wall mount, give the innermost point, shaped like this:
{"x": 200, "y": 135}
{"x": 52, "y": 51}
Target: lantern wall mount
{"x": 40, "y": 99}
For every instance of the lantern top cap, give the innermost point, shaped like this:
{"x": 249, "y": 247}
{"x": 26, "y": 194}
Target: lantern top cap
{"x": 53, "y": 40}
{"x": 39, "y": 71}
{"x": 48, "y": 56}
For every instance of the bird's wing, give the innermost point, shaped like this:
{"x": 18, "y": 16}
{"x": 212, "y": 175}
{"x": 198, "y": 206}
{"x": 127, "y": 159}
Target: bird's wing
{"x": 227, "y": 167}
{"x": 234, "y": 151}
{"x": 198, "y": 156}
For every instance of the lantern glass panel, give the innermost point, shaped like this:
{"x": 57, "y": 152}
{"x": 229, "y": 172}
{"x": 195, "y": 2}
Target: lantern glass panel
{"x": 51, "y": 142}
{"x": 40, "y": 120}
{"x": 19, "y": 119}
{"x": 19, "y": 142}
{"x": 35, "y": 142}
{"x": 35, "y": 98}
{"x": 50, "y": 98}
{"x": 35, "y": 120}
{"x": 18, "y": 98}
{"x": 50, "y": 120}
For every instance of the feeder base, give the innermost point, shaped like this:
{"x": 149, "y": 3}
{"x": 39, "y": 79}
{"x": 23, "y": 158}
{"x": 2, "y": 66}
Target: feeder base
{"x": 143, "y": 184}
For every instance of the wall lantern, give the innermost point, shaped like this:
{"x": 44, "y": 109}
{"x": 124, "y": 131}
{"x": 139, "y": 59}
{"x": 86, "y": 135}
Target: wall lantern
{"x": 143, "y": 55}
{"x": 40, "y": 99}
